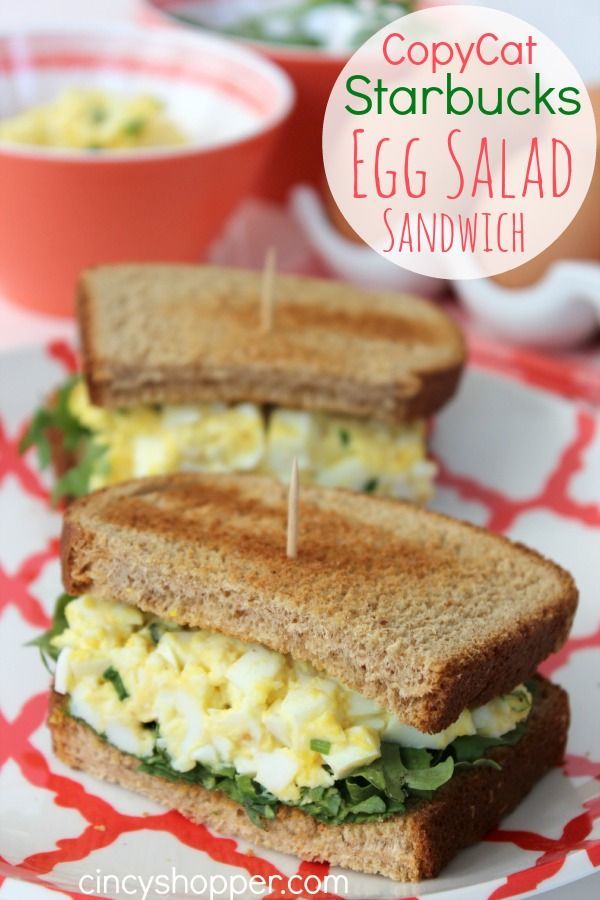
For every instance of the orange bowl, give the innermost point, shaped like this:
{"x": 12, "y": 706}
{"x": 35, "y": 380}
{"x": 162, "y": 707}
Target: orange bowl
{"x": 63, "y": 210}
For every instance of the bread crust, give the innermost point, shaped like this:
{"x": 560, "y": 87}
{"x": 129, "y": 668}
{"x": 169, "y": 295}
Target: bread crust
{"x": 333, "y": 347}
{"x": 410, "y": 847}
{"x": 424, "y": 614}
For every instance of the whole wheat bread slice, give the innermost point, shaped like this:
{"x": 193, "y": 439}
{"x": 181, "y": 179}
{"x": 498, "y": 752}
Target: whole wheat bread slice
{"x": 422, "y": 613}
{"x": 406, "y": 847}
{"x": 156, "y": 333}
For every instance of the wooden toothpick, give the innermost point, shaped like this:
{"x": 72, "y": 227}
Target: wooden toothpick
{"x": 267, "y": 291}
{"x": 293, "y": 512}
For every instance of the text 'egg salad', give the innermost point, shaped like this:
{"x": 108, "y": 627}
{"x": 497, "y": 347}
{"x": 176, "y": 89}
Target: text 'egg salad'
{"x": 332, "y": 451}
{"x": 92, "y": 119}
{"x": 203, "y": 697}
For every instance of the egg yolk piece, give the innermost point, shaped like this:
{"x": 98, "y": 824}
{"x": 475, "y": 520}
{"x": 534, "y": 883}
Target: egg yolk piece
{"x": 332, "y": 451}
{"x": 204, "y": 697}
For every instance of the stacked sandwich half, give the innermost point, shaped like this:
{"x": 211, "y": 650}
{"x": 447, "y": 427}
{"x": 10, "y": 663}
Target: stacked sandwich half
{"x": 180, "y": 376}
{"x": 373, "y": 703}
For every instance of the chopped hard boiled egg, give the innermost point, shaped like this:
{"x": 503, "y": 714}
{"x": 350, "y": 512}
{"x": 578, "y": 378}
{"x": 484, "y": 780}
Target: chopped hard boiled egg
{"x": 333, "y": 451}
{"x": 203, "y": 697}
{"x": 90, "y": 119}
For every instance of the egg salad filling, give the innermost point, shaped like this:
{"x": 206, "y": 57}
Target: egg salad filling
{"x": 91, "y": 119}
{"x": 114, "y": 445}
{"x": 265, "y": 728}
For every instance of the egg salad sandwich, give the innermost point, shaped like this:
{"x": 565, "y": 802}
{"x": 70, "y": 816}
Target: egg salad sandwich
{"x": 179, "y": 376}
{"x": 373, "y": 702}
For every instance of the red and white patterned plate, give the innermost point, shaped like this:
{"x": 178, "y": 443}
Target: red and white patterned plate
{"x": 513, "y": 457}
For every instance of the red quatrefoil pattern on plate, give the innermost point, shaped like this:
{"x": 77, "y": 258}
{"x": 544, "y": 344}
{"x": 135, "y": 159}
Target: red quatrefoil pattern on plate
{"x": 517, "y": 459}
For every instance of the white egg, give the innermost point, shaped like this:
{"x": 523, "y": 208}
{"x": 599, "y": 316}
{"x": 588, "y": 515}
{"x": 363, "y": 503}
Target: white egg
{"x": 129, "y": 739}
{"x": 181, "y": 722}
{"x": 237, "y": 724}
{"x": 180, "y": 416}
{"x": 83, "y": 666}
{"x": 251, "y": 670}
{"x": 290, "y": 434}
{"x": 358, "y": 706}
{"x": 83, "y": 705}
{"x": 223, "y": 746}
{"x": 276, "y": 770}
{"x": 62, "y": 671}
{"x": 376, "y": 723}
{"x": 349, "y": 473}
{"x": 152, "y": 455}
{"x": 207, "y": 755}
{"x": 167, "y": 651}
{"x": 398, "y": 485}
{"x": 302, "y": 705}
{"x": 245, "y": 764}
{"x": 248, "y": 444}
{"x": 501, "y": 715}
{"x": 360, "y": 750}
{"x": 277, "y": 726}
{"x": 398, "y": 733}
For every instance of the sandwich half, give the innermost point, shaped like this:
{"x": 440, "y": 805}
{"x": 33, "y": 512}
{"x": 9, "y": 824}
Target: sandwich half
{"x": 373, "y": 703}
{"x": 179, "y": 376}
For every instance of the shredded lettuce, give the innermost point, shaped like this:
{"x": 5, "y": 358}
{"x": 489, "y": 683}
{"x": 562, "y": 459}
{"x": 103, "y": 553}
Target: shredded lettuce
{"x": 258, "y": 803}
{"x": 389, "y": 786}
{"x": 76, "y": 439}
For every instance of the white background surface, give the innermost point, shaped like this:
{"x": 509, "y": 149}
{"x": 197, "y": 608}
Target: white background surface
{"x": 574, "y": 26}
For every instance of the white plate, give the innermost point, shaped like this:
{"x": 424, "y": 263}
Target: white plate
{"x": 513, "y": 457}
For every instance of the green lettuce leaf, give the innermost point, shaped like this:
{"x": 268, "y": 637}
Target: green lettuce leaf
{"x": 258, "y": 803}
{"x": 59, "y": 623}
{"x": 76, "y": 438}
{"x": 76, "y": 481}
{"x": 473, "y": 747}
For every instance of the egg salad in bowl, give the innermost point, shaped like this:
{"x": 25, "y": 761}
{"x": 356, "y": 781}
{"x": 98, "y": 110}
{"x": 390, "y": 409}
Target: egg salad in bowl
{"x": 93, "y": 119}
{"x": 205, "y": 707}
{"x": 114, "y": 445}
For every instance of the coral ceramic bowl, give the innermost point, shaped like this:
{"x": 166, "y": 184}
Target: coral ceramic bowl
{"x": 62, "y": 210}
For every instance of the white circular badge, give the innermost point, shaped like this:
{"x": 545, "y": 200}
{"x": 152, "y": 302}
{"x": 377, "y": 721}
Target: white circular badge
{"x": 459, "y": 142}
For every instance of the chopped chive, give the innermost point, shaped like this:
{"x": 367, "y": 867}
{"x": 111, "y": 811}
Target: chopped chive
{"x": 134, "y": 127}
{"x": 319, "y": 746}
{"x": 371, "y": 485}
{"x": 117, "y": 682}
{"x": 98, "y": 114}
{"x": 156, "y": 631}
{"x": 344, "y": 437}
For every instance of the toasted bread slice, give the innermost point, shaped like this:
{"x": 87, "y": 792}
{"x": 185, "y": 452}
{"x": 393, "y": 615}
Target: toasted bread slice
{"x": 422, "y": 613}
{"x": 191, "y": 334}
{"x": 407, "y": 847}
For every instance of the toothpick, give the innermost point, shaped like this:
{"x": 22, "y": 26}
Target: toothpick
{"x": 266, "y": 291}
{"x": 293, "y": 512}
